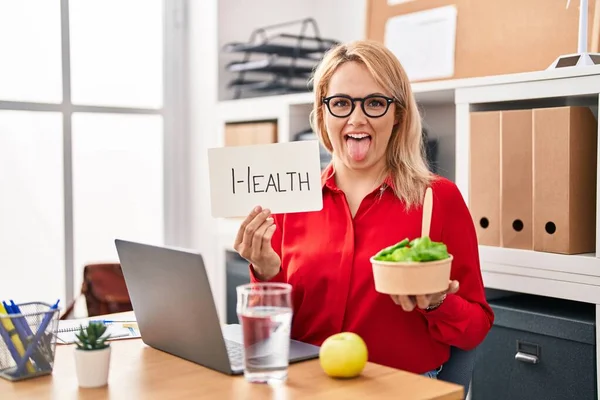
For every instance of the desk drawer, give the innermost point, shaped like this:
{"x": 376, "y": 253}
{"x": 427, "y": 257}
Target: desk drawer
{"x": 540, "y": 349}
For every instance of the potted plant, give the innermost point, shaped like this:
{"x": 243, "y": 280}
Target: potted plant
{"x": 92, "y": 355}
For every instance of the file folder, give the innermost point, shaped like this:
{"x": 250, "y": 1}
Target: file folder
{"x": 516, "y": 204}
{"x": 564, "y": 180}
{"x": 484, "y": 172}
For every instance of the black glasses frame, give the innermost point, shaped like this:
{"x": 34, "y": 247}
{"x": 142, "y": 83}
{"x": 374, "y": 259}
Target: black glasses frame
{"x": 353, "y": 100}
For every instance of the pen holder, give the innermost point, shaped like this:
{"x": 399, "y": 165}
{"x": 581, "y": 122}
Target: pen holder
{"x": 28, "y": 341}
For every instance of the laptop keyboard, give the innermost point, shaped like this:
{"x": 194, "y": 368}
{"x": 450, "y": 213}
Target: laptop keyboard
{"x": 236, "y": 353}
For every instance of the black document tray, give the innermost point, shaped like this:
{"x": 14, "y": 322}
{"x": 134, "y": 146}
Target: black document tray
{"x": 270, "y": 66}
{"x": 266, "y": 86}
{"x": 309, "y": 53}
{"x": 284, "y": 56}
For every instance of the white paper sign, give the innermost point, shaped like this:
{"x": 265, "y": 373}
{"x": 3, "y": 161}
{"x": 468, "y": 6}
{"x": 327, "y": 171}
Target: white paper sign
{"x": 283, "y": 177}
{"x": 424, "y": 42}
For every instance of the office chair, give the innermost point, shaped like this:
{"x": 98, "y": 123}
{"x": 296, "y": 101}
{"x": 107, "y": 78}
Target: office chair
{"x": 459, "y": 368}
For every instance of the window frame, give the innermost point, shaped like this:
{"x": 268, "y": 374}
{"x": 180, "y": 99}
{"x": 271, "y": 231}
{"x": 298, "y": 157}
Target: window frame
{"x": 175, "y": 131}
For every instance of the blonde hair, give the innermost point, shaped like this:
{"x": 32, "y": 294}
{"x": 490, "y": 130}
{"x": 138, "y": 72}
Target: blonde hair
{"x": 405, "y": 153}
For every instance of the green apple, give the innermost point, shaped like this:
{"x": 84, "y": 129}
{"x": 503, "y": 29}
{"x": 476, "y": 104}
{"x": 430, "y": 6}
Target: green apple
{"x": 343, "y": 355}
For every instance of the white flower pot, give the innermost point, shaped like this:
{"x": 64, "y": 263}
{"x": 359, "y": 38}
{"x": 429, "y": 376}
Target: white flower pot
{"x": 92, "y": 367}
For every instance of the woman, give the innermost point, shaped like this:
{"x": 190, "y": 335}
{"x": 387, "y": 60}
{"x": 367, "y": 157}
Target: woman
{"x": 365, "y": 115}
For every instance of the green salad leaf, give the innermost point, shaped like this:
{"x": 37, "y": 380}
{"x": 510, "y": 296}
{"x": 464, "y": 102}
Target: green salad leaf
{"x": 421, "y": 249}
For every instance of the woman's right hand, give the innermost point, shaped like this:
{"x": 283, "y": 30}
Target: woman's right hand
{"x": 253, "y": 242}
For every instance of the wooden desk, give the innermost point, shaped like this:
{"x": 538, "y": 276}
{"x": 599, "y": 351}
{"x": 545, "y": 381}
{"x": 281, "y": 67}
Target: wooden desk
{"x": 140, "y": 372}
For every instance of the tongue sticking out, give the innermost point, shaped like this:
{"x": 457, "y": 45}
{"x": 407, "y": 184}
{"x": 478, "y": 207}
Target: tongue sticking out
{"x": 357, "y": 148}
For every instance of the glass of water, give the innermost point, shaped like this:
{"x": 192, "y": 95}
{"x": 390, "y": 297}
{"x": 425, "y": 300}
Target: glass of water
{"x": 265, "y": 313}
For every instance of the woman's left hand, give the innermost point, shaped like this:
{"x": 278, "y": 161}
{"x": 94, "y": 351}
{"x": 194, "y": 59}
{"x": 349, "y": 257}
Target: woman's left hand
{"x": 408, "y": 303}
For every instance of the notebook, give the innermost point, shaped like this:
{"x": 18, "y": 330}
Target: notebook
{"x": 67, "y": 329}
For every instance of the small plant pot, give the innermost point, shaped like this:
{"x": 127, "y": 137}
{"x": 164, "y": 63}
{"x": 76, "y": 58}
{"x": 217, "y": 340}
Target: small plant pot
{"x": 411, "y": 278}
{"x": 92, "y": 367}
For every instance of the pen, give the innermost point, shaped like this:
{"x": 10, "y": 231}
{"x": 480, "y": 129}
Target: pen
{"x": 9, "y": 344}
{"x": 109, "y": 321}
{"x": 16, "y": 310}
{"x": 20, "y": 326}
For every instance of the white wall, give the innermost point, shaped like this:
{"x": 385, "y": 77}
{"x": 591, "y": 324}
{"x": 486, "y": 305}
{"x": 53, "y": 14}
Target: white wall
{"x": 343, "y": 20}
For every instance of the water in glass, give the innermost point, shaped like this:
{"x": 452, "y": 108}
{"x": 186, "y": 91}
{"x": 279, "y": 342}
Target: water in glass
{"x": 265, "y": 313}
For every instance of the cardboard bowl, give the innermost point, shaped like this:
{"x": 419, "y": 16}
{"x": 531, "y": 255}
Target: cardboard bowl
{"x": 411, "y": 278}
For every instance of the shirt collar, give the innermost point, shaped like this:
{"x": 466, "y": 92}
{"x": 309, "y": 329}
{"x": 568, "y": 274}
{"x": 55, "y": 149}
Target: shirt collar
{"x": 328, "y": 179}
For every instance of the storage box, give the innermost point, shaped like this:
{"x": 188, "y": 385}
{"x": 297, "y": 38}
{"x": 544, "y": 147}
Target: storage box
{"x": 564, "y": 176}
{"x": 250, "y": 133}
{"x": 516, "y": 182}
{"x": 484, "y": 172}
{"x": 538, "y": 348}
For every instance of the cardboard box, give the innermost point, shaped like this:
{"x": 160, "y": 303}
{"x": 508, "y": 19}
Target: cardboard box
{"x": 484, "y": 182}
{"x": 250, "y": 133}
{"x": 516, "y": 192}
{"x": 495, "y": 37}
{"x": 564, "y": 180}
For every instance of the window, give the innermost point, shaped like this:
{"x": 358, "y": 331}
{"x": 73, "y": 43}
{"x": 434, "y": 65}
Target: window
{"x": 85, "y": 118}
{"x": 31, "y": 206}
{"x": 116, "y": 57}
{"x": 30, "y": 44}
{"x": 117, "y": 183}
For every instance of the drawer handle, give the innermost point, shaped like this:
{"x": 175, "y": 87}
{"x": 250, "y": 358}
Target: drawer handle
{"x": 526, "y": 358}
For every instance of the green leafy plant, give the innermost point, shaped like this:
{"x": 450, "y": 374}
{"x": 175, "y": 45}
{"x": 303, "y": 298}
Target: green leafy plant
{"x": 92, "y": 337}
{"x": 418, "y": 250}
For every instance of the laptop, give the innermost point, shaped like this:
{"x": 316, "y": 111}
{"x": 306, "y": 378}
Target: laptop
{"x": 175, "y": 310}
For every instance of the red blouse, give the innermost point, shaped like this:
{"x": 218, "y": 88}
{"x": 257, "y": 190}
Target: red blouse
{"x": 325, "y": 257}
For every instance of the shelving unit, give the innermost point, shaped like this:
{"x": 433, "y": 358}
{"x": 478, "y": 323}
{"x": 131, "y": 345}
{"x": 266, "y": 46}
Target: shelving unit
{"x": 446, "y": 106}
{"x": 571, "y": 277}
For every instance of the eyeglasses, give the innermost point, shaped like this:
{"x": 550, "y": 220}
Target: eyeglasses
{"x": 373, "y": 106}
